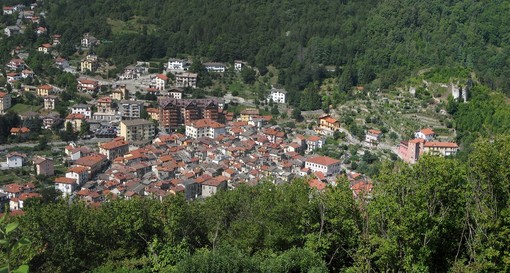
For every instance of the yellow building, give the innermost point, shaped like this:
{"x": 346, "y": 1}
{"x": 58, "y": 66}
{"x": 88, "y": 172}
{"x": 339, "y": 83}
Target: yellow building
{"x": 248, "y": 113}
{"x": 44, "y": 90}
{"x": 90, "y": 63}
{"x": 137, "y": 129}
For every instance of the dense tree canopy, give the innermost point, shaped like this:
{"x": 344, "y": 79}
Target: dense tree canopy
{"x": 439, "y": 215}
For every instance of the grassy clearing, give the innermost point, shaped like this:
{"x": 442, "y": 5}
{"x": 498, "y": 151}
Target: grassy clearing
{"x": 23, "y": 108}
{"x": 131, "y": 26}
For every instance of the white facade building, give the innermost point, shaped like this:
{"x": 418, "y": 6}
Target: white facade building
{"x": 277, "y": 95}
{"x": 204, "y": 128}
{"x": 323, "y": 164}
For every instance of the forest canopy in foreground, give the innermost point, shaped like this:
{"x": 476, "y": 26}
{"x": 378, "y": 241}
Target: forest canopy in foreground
{"x": 440, "y": 215}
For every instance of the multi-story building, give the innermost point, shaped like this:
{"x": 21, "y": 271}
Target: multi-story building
{"x": 115, "y": 148}
{"x": 248, "y": 113}
{"x": 75, "y": 120}
{"x": 5, "y": 102}
{"x": 104, "y": 105}
{"x": 186, "y": 80}
{"x": 441, "y": 148}
{"x": 50, "y": 102}
{"x": 174, "y": 112}
{"x": 177, "y": 65}
{"x": 328, "y": 125}
{"x": 175, "y": 93}
{"x": 84, "y": 109}
{"x": 43, "y": 166}
{"x": 373, "y": 136}
{"x": 44, "y": 90}
{"x": 323, "y": 164}
{"x": 130, "y": 109}
{"x": 427, "y": 134}
{"x": 160, "y": 81}
{"x": 313, "y": 143}
{"x": 89, "y": 86}
{"x": 137, "y": 129}
{"x": 277, "y": 95}
{"x": 90, "y": 63}
{"x": 204, "y": 128}
{"x": 120, "y": 93}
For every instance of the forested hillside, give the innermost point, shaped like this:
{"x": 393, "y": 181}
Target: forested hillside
{"x": 384, "y": 40}
{"x": 440, "y": 215}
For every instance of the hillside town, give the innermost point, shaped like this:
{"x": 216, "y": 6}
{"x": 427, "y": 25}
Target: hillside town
{"x": 143, "y": 134}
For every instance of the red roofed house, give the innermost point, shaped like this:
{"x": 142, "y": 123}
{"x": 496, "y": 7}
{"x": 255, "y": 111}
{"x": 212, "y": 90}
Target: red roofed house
{"x": 79, "y": 174}
{"x": 44, "y": 90}
{"x": 45, "y": 48}
{"x": 211, "y": 186}
{"x": 427, "y": 134}
{"x": 204, "y": 128}
{"x": 161, "y": 81}
{"x": 115, "y": 148}
{"x": 313, "y": 143}
{"x": 328, "y": 125}
{"x": 21, "y": 132}
{"x": 16, "y": 64}
{"x": 75, "y": 120}
{"x": 441, "y": 148}
{"x": 323, "y": 164}
{"x": 65, "y": 185}
{"x": 373, "y": 136}
{"x": 315, "y": 183}
{"x": 93, "y": 162}
{"x": 89, "y": 86}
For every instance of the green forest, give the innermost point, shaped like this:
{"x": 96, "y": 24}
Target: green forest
{"x": 370, "y": 42}
{"x": 440, "y": 215}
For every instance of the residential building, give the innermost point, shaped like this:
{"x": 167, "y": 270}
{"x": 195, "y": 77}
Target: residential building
{"x": 177, "y": 65}
{"x": 84, "y": 109}
{"x": 130, "y": 109}
{"x": 186, "y": 80}
{"x": 137, "y": 129}
{"x": 56, "y": 39}
{"x": 75, "y": 120}
{"x": 89, "y": 40}
{"x": 43, "y": 166}
{"x": 211, "y": 186}
{"x": 153, "y": 113}
{"x": 61, "y": 63}
{"x": 40, "y": 30}
{"x": 11, "y": 31}
{"x": 45, "y": 48}
{"x": 161, "y": 81}
{"x": 324, "y": 164}
{"x": 277, "y": 95}
{"x": 204, "y": 128}
{"x": 90, "y": 63}
{"x": 175, "y": 93}
{"x": 16, "y": 64}
{"x": 15, "y": 159}
{"x": 65, "y": 185}
{"x": 5, "y": 102}
{"x": 427, "y": 134}
{"x": 176, "y": 112}
{"x": 50, "y": 119}
{"x": 328, "y": 125}
{"x": 215, "y": 67}
{"x": 115, "y": 148}
{"x": 411, "y": 150}
{"x": 313, "y": 143}
{"x": 94, "y": 163}
{"x": 79, "y": 173}
{"x": 248, "y": 113}
{"x": 13, "y": 77}
{"x": 238, "y": 65}
{"x": 441, "y": 148}
{"x": 21, "y": 131}
{"x": 104, "y": 105}
{"x": 120, "y": 93}
{"x": 44, "y": 90}
{"x": 26, "y": 73}
{"x": 373, "y": 137}
{"x": 8, "y": 10}
{"x": 89, "y": 86}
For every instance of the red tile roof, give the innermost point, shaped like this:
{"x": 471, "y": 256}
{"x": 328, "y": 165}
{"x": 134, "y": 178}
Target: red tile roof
{"x": 442, "y": 144}
{"x": 323, "y": 160}
{"x": 427, "y": 131}
{"x": 64, "y": 180}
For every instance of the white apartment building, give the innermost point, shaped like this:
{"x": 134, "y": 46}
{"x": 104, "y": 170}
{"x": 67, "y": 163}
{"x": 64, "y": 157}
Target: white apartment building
{"x": 204, "y": 128}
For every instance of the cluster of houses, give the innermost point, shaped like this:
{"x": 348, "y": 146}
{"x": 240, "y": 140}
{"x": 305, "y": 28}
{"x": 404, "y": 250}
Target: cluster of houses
{"x": 424, "y": 143}
{"x": 209, "y": 157}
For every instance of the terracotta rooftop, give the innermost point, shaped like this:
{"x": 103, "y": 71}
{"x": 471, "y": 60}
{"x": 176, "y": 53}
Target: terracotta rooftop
{"x": 442, "y": 144}
{"x": 64, "y": 180}
{"x": 323, "y": 160}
